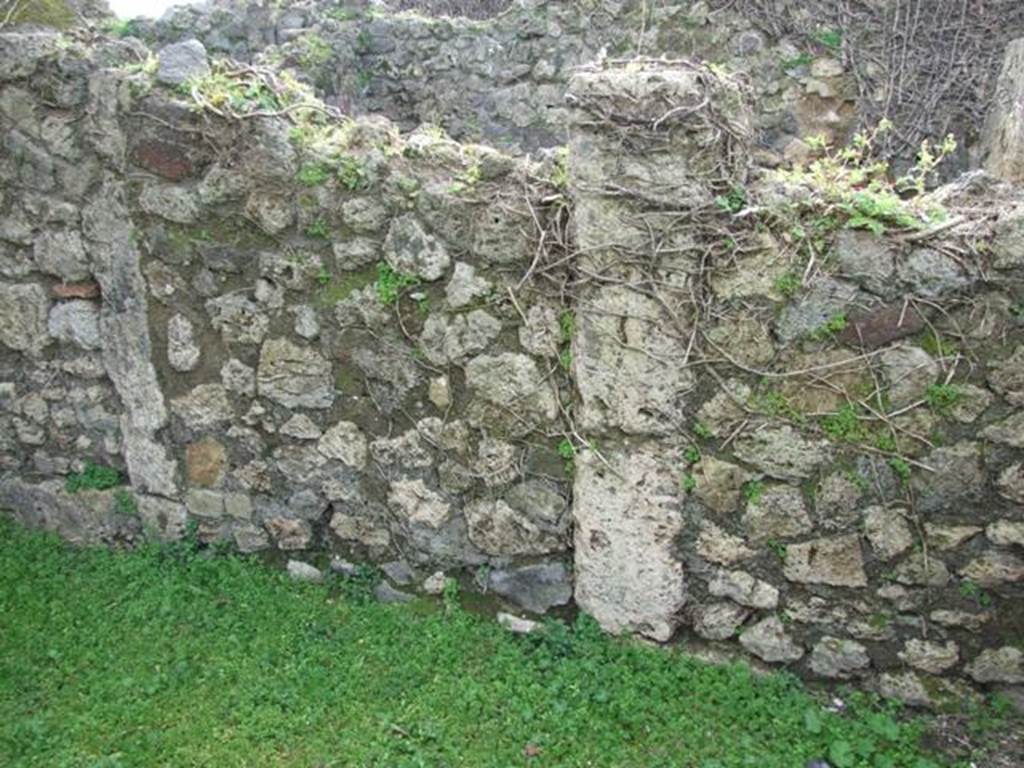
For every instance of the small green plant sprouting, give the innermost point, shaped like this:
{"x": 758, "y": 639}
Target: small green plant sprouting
{"x": 777, "y": 548}
{"x": 753, "y": 491}
{"x": 901, "y": 467}
{"x": 125, "y": 503}
{"x": 567, "y": 452}
{"x": 834, "y": 325}
{"x": 313, "y": 174}
{"x": 942, "y": 397}
{"x": 774, "y": 403}
{"x": 936, "y": 346}
{"x": 567, "y": 325}
{"x": 122, "y": 27}
{"x": 390, "y": 284}
{"x": 800, "y": 60}
{"x": 315, "y": 51}
{"x": 845, "y": 425}
{"x": 830, "y": 38}
{"x": 701, "y": 430}
{"x": 351, "y": 173}
{"x": 688, "y": 483}
{"x": 565, "y": 359}
{"x": 560, "y": 171}
{"x": 734, "y": 201}
{"x": 971, "y": 591}
{"x": 93, "y": 478}
{"x": 319, "y": 230}
{"x": 324, "y": 277}
{"x": 451, "y": 597}
{"x": 788, "y": 284}
{"x": 692, "y": 455}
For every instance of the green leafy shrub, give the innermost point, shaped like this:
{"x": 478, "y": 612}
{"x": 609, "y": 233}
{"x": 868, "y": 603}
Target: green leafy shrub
{"x": 93, "y": 478}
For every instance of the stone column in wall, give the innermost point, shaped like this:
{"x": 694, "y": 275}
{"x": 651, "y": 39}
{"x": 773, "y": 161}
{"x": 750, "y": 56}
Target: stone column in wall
{"x": 651, "y": 145}
{"x": 1002, "y": 139}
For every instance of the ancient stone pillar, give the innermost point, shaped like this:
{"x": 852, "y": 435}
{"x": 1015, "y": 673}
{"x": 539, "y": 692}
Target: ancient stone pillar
{"x": 1002, "y": 139}
{"x": 652, "y": 144}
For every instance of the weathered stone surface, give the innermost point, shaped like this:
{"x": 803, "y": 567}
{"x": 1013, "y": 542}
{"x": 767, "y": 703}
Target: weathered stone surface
{"x": 931, "y": 274}
{"x": 906, "y": 687}
{"x": 630, "y": 373}
{"x": 957, "y": 476}
{"x": 163, "y": 518}
{"x": 498, "y": 529}
{"x": 510, "y": 392}
{"x": 204, "y": 503}
{"x": 721, "y": 547}
{"x": 1002, "y": 137}
{"x": 838, "y": 658}
{"x": 250, "y": 538}
{"x": 61, "y": 253}
{"x": 823, "y": 300}
{"x": 744, "y": 589}
{"x": 627, "y": 573}
{"x": 23, "y": 317}
{"x": 719, "y": 621}
{"x": 346, "y": 443}
{"x": 352, "y": 525}
{"x": 836, "y": 561}
{"x": 934, "y": 658}
{"x": 1006, "y": 533}
{"x": 776, "y": 512}
{"x": 418, "y": 504}
{"x": 180, "y": 62}
{"x": 411, "y": 251}
{"x": 176, "y": 204}
{"x": 465, "y": 286}
{"x": 454, "y": 340}
{"x": 76, "y": 322}
{"x": 908, "y": 372}
{"x": 769, "y": 641}
{"x": 182, "y": 350}
{"x": 947, "y": 537}
{"x": 301, "y": 571}
{"x": 239, "y": 319}
{"x": 205, "y": 462}
{"x": 887, "y": 531}
{"x": 301, "y": 427}
{"x": 782, "y": 452}
{"x": 86, "y": 517}
{"x": 1009, "y": 431}
{"x": 867, "y": 260}
{"x": 205, "y": 406}
{"x": 294, "y": 376}
{"x": 960, "y": 619}
{"x": 1007, "y": 376}
{"x": 127, "y": 351}
{"x": 720, "y": 484}
{"x": 992, "y": 568}
{"x": 537, "y": 588}
{"x": 1011, "y": 483}
{"x": 917, "y": 570}
{"x": 289, "y": 534}
{"x": 517, "y": 625}
{"x": 1002, "y": 665}
{"x": 238, "y": 377}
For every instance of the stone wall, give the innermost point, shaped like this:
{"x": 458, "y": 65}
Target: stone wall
{"x": 627, "y": 381}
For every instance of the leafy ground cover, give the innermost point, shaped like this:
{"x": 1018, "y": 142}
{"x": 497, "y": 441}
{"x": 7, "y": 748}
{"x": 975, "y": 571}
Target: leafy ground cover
{"x": 171, "y": 657}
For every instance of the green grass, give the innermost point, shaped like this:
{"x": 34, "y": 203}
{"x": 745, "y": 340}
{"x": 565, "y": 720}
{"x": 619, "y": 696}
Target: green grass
{"x": 166, "y": 657}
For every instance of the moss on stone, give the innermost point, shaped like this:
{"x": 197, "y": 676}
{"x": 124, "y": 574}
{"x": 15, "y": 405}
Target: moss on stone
{"x": 52, "y": 13}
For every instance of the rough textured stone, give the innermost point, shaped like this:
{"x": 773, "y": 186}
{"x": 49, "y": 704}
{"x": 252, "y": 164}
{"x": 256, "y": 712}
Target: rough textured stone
{"x": 1002, "y": 665}
{"x": 719, "y": 621}
{"x": 905, "y": 687}
{"x": 418, "y": 504}
{"x": 411, "y": 251}
{"x": 23, "y": 317}
{"x": 838, "y": 658}
{"x": 627, "y": 574}
{"x": 887, "y": 531}
{"x": 205, "y": 406}
{"x": 721, "y": 547}
{"x": 182, "y": 350}
{"x": 61, "y": 253}
{"x": 1006, "y": 533}
{"x": 465, "y": 286}
{"x": 510, "y": 391}
{"x": 957, "y": 477}
{"x": 916, "y": 570}
{"x": 455, "y": 340}
{"x": 908, "y": 372}
{"x": 992, "y": 568}
{"x": 239, "y": 319}
{"x": 720, "y": 484}
{"x": 1007, "y": 376}
{"x": 180, "y": 62}
{"x": 836, "y": 561}
{"x": 769, "y": 641}
{"x": 1009, "y": 431}
{"x": 76, "y": 322}
{"x": 346, "y": 443}
{"x": 744, "y": 589}
{"x": 931, "y": 657}
{"x": 516, "y": 625}
{"x": 301, "y": 571}
{"x": 782, "y": 452}
{"x": 1002, "y": 136}
{"x": 205, "y": 462}
{"x": 777, "y": 512}
{"x": 1011, "y": 483}
{"x": 880, "y": 326}
{"x": 946, "y": 537}
{"x": 288, "y": 534}
{"x": 294, "y": 376}
{"x": 537, "y": 588}
{"x": 498, "y": 529}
